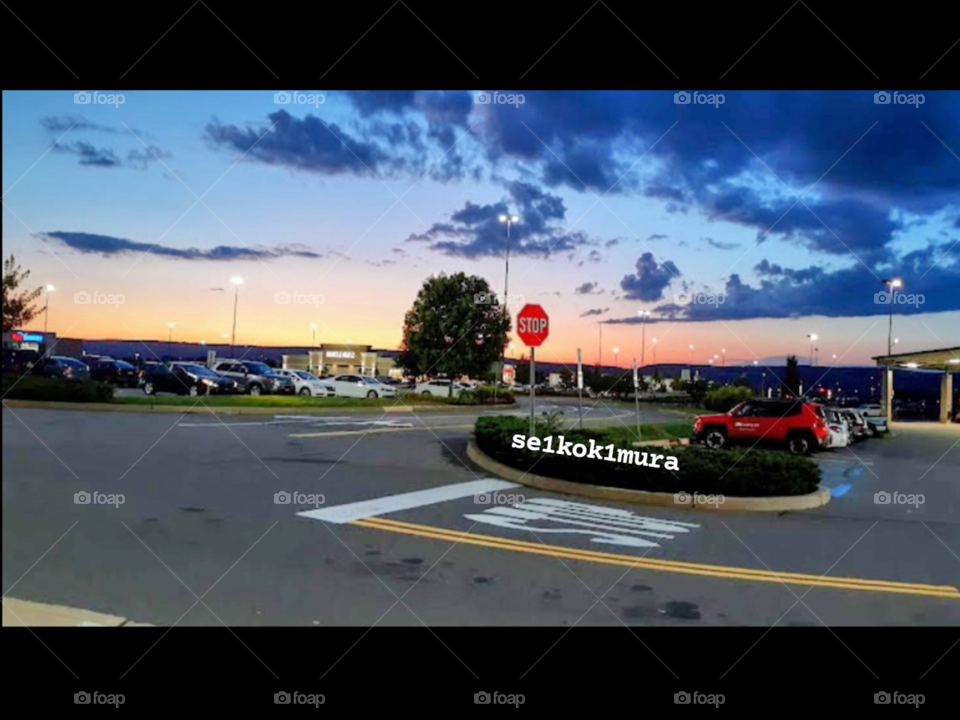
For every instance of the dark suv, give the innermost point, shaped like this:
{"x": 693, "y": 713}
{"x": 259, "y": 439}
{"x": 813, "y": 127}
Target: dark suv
{"x": 185, "y": 379}
{"x": 253, "y": 378}
{"x": 796, "y": 424}
{"x": 115, "y": 372}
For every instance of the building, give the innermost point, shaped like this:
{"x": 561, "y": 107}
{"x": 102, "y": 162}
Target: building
{"x": 944, "y": 362}
{"x": 42, "y": 343}
{"x": 342, "y": 359}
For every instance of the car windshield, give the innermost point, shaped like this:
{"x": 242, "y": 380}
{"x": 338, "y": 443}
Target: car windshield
{"x": 123, "y": 365}
{"x": 199, "y": 370}
{"x": 259, "y": 368}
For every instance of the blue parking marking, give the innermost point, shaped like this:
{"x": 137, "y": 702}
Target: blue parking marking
{"x": 840, "y": 490}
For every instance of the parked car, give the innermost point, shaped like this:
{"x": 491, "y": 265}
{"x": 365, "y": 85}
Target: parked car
{"x": 181, "y": 378}
{"x": 858, "y": 426}
{"x": 78, "y": 370}
{"x": 839, "y": 428}
{"x": 438, "y": 387}
{"x": 877, "y": 426}
{"x": 17, "y": 362}
{"x": 309, "y": 385}
{"x": 871, "y": 410}
{"x": 115, "y": 372}
{"x": 798, "y": 425}
{"x": 362, "y": 386}
{"x": 252, "y": 378}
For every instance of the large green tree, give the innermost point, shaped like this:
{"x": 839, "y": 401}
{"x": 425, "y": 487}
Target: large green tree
{"x": 18, "y": 308}
{"x": 791, "y": 379}
{"x": 455, "y": 327}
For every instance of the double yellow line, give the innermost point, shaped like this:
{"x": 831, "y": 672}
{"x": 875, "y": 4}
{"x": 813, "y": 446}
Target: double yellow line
{"x": 674, "y": 566}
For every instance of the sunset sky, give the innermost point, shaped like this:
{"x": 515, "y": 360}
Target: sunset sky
{"x": 624, "y": 199}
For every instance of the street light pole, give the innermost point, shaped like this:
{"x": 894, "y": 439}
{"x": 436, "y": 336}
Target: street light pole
{"x": 509, "y": 220}
{"x": 237, "y": 282}
{"x": 654, "y": 341}
{"x": 724, "y": 352}
{"x": 46, "y": 311}
{"x": 616, "y": 355}
{"x": 600, "y": 360}
{"x": 644, "y": 314}
{"x": 813, "y": 337}
{"x": 891, "y": 283}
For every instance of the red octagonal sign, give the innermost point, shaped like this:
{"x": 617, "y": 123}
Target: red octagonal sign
{"x": 533, "y": 325}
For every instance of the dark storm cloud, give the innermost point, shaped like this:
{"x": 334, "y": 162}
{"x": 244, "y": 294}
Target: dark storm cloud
{"x": 476, "y": 230}
{"x": 63, "y": 123}
{"x": 650, "y": 279}
{"x": 588, "y": 288}
{"x": 657, "y": 237}
{"x": 595, "y": 311}
{"x": 107, "y": 246}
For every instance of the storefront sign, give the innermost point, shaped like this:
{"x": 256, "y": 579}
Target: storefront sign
{"x": 344, "y": 354}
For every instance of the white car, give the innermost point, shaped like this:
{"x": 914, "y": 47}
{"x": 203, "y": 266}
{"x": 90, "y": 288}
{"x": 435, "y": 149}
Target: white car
{"x": 839, "y": 429}
{"x": 440, "y": 388}
{"x": 309, "y": 385}
{"x": 360, "y": 386}
{"x": 871, "y": 410}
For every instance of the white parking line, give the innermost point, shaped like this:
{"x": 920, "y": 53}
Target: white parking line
{"x": 393, "y": 503}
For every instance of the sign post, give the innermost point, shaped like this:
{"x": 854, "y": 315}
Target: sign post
{"x": 636, "y": 395}
{"x": 533, "y": 327}
{"x": 580, "y": 384}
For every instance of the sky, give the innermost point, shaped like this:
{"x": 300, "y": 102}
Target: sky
{"x": 779, "y": 214}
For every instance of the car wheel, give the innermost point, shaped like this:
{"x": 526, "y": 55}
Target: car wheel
{"x": 426, "y": 392}
{"x": 304, "y": 392}
{"x": 372, "y": 394}
{"x": 148, "y": 389}
{"x": 194, "y": 391}
{"x": 715, "y": 439}
{"x": 254, "y": 390}
{"x": 800, "y": 445}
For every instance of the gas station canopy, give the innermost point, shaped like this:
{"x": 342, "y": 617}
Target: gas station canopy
{"x": 944, "y": 360}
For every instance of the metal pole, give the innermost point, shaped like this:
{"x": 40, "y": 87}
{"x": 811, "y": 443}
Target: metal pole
{"x": 506, "y": 290}
{"x": 890, "y": 328}
{"x": 600, "y": 361}
{"x": 533, "y": 384}
{"x": 636, "y": 394}
{"x": 580, "y": 384}
{"x": 46, "y": 315}
{"x": 233, "y": 337}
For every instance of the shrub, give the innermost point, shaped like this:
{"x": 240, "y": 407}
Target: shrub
{"x": 50, "y": 389}
{"x": 726, "y": 398}
{"x": 734, "y": 473}
{"x": 484, "y": 395}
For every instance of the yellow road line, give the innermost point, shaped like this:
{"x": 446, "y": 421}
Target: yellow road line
{"x": 688, "y": 568}
{"x": 378, "y": 430}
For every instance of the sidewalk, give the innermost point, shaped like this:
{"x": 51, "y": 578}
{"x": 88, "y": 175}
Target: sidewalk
{"x": 20, "y": 613}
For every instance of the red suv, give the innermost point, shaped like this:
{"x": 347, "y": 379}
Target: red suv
{"x": 797, "y": 424}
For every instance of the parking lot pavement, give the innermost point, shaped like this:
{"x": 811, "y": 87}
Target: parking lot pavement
{"x": 204, "y": 500}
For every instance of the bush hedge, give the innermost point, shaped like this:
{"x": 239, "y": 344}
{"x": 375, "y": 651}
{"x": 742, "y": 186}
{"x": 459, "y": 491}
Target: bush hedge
{"x": 484, "y": 395}
{"x": 726, "y": 398}
{"x": 30, "y": 387}
{"x": 753, "y": 473}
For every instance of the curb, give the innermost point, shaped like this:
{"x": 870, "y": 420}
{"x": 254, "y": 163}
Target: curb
{"x": 23, "y": 613}
{"x": 816, "y": 499}
{"x": 226, "y": 409}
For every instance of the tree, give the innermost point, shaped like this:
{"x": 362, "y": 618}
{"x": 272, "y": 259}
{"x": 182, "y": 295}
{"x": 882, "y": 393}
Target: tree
{"x": 523, "y": 372}
{"x": 741, "y": 381}
{"x": 791, "y": 380}
{"x": 696, "y": 389}
{"x": 455, "y": 327}
{"x": 18, "y": 308}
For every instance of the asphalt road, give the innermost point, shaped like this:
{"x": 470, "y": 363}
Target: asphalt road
{"x": 199, "y": 516}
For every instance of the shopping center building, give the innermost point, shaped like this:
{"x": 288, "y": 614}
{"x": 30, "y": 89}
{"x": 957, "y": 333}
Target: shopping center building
{"x": 340, "y": 359}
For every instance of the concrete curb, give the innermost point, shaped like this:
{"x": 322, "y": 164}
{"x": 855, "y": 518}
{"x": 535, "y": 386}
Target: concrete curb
{"x": 598, "y": 492}
{"x": 23, "y": 613}
{"x": 200, "y": 409}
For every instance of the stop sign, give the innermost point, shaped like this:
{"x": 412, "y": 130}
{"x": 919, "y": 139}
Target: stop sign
{"x": 533, "y": 325}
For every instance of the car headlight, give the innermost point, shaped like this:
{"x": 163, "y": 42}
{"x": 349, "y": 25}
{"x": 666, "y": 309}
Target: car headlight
{"x": 208, "y": 381}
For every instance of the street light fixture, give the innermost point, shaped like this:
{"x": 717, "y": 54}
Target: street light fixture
{"x": 892, "y": 284}
{"x": 655, "y": 352}
{"x": 691, "y": 357}
{"x": 724, "y": 352}
{"x": 46, "y": 310}
{"x": 813, "y": 337}
{"x": 644, "y": 314}
{"x": 170, "y": 327}
{"x": 616, "y": 353}
{"x": 313, "y": 328}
